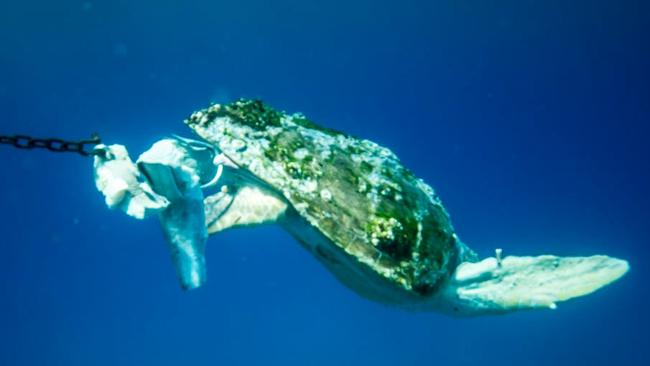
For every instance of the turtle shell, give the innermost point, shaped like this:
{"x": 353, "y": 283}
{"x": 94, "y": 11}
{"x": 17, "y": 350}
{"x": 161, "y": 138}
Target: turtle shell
{"x": 353, "y": 191}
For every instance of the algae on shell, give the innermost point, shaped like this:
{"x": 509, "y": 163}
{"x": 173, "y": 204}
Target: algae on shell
{"x": 353, "y": 191}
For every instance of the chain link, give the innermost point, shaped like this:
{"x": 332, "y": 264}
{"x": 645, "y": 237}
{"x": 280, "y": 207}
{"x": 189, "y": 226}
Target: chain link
{"x": 54, "y": 144}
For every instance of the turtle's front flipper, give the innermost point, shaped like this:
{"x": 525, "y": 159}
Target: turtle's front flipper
{"x": 243, "y": 205}
{"x": 496, "y": 285}
{"x": 167, "y": 181}
{"x": 183, "y": 221}
{"x": 184, "y": 229}
{"x": 173, "y": 172}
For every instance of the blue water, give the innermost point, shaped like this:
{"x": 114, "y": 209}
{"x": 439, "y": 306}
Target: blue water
{"x": 530, "y": 119}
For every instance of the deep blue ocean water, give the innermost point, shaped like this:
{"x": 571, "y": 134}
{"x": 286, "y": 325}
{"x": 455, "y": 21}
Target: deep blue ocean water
{"x": 531, "y": 119}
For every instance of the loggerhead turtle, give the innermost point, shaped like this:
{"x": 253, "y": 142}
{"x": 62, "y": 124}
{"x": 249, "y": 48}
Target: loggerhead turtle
{"x": 380, "y": 230}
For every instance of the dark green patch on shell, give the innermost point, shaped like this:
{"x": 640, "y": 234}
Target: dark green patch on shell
{"x": 353, "y": 191}
{"x": 252, "y": 113}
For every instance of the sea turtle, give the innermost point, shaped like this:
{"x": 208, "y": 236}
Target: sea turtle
{"x": 379, "y": 229}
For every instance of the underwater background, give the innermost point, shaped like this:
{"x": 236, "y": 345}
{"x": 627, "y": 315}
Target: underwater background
{"x": 531, "y": 120}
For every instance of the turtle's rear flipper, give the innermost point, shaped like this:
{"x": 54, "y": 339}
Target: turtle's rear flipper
{"x": 496, "y": 285}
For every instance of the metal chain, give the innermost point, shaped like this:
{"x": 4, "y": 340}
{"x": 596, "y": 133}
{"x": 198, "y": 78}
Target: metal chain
{"x": 53, "y": 144}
